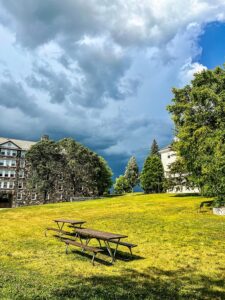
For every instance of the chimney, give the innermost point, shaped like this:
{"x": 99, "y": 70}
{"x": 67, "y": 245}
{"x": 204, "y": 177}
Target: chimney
{"x": 45, "y": 137}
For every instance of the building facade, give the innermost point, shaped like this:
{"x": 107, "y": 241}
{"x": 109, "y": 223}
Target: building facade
{"x": 168, "y": 156}
{"x": 14, "y": 189}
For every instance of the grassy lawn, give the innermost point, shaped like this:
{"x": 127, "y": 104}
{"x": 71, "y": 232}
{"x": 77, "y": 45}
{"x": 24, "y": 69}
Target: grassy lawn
{"x": 180, "y": 253}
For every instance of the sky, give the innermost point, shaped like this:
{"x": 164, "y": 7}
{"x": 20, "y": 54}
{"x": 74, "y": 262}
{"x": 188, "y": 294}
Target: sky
{"x": 101, "y": 71}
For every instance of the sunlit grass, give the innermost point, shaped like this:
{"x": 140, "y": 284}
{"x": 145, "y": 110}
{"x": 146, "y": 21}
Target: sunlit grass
{"x": 180, "y": 253}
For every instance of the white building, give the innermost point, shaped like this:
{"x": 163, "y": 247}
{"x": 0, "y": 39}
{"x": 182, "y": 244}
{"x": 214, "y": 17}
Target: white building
{"x": 168, "y": 156}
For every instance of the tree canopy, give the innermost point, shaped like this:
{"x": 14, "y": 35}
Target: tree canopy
{"x": 83, "y": 171}
{"x": 198, "y": 111}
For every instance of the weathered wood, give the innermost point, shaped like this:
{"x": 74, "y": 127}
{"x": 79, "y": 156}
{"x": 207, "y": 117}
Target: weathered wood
{"x": 83, "y": 247}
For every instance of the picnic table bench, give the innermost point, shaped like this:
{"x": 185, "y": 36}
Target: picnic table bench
{"x": 95, "y": 250}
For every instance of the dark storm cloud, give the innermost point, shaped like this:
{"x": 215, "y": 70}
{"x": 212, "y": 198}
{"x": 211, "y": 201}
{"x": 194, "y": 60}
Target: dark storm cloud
{"x": 38, "y": 22}
{"x": 13, "y": 95}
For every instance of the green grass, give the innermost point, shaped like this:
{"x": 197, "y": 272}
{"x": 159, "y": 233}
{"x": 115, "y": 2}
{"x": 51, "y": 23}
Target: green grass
{"x": 180, "y": 253}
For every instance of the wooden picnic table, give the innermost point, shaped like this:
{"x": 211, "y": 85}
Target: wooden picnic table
{"x": 106, "y": 237}
{"x": 62, "y": 222}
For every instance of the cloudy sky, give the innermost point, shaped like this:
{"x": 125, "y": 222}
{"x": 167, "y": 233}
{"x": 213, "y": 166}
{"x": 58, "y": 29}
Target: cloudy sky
{"x": 101, "y": 71}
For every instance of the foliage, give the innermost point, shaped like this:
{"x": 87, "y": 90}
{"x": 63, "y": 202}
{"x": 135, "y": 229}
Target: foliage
{"x": 80, "y": 170}
{"x": 121, "y": 185}
{"x": 152, "y": 175}
{"x": 198, "y": 111}
{"x": 180, "y": 253}
{"x": 154, "y": 148}
{"x": 44, "y": 164}
{"x": 132, "y": 173}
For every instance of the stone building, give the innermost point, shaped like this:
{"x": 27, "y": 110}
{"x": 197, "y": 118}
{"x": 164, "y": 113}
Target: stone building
{"x": 168, "y": 156}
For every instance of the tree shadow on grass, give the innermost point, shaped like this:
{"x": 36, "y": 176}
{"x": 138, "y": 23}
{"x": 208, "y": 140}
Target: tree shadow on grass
{"x": 104, "y": 257}
{"x": 151, "y": 284}
{"x": 178, "y": 195}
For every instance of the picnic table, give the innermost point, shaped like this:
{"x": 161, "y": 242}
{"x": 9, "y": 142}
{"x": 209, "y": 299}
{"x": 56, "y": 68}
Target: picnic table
{"x": 106, "y": 237}
{"x": 62, "y": 222}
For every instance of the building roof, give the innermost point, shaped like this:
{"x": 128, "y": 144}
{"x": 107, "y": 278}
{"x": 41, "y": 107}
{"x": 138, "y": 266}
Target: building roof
{"x": 165, "y": 149}
{"x": 24, "y": 145}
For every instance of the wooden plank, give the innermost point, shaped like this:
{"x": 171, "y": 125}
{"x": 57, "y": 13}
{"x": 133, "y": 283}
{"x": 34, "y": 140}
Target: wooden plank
{"x": 99, "y": 234}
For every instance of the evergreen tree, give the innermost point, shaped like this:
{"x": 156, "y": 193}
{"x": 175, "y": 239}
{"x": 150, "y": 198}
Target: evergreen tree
{"x": 152, "y": 175}
{"x": 132, "y": 173}
{"x": 155, "y": 148}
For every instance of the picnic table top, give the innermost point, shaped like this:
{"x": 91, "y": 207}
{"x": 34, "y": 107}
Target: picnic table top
{"x": 88, "y": 232}
{"x": 69, "y": 221}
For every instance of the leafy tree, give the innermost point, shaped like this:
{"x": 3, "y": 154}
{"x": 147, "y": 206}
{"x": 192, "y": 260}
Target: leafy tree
{"x": 44, "y": 164}
{"x": 68, "y": 163}
{"x": 132, "y": 173}
{"x": 104, "y": 177}
{"x": 198, "y": 111}
{"x": 87, "y": 172}
{"x": 155, "y": 148}
{"x": 152, "y": 175}
{"x": 121, "y": 185}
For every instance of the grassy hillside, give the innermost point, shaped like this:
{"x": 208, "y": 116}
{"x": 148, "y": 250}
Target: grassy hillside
{"x": 180, "y": 253}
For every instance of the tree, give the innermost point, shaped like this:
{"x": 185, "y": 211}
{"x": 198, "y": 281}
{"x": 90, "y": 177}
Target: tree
{"x": 152, "y": 175}
{"x": 198, "y": 111}
{"x": 44, "y": 164}
{"x": 104, "y": 177}
{"x": 87, "y": 172}
{"x": 155, "y": 148}
{"x": 132, "y": 173}
{"x": 121, "y": 185}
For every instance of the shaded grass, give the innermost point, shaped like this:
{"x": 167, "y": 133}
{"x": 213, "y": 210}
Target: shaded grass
{"x": 180, "y": 253}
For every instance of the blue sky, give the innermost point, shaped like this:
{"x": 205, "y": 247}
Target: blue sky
{"x": 101, "y": 72}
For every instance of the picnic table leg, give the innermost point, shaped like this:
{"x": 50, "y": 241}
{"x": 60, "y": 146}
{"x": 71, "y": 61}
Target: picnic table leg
{"x": 109, "y": 250}
{"x": 116, "y": 249}
{"x": 60, "y": 228}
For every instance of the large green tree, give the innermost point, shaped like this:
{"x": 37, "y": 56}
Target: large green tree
{"x": 132, "y": 173}
{"x": 198, "y": 111}
{"x": 67, "y": 162}
{"x": 155, "y": 148}
{"x": 152, "y": 175}
{"x": 44, "y": 166}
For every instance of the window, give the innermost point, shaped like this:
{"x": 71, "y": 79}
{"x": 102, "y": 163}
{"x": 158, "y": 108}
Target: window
{"x": 1, "y": 162}
{"x": 19, "y": 196}
{"x": 21, "y": 174}
{"x": 14, "y": 153}
{"x": 20, "y": 185}
{"x": 22, "y": 164}
{"x": 3, "y": 152}
{"x": 60, "y": 188}
{"x": 61, "y": 196}
{"x": 1, "y": 173}
{"x": 13, "y": 163}
{"x": 12, "y": 174}
{"x": 11, "y": 185}
{"x": 6, "y": 173}
{"x": 33, "y": 196}
{"x": 23, "y": 153}
{"x": 5, "y": 185}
